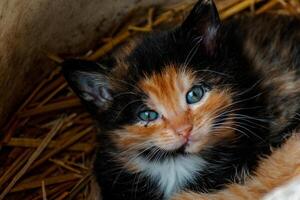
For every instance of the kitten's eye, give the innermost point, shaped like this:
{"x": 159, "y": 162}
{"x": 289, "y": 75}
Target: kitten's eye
{"x": 195, "y": 94}
{"x": 148, "y": 115}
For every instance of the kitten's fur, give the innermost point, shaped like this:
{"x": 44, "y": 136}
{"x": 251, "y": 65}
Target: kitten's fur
{"x": 282, "y": 167}
{"x": 249, "y": 68}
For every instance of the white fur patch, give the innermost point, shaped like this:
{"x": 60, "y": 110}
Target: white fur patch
{"x": 173, "y": 173}
{"x": 290, "y": 191}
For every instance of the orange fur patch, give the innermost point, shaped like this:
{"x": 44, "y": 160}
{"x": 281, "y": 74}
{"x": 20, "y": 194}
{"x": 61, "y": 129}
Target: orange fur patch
{"x": 166, "y": 89}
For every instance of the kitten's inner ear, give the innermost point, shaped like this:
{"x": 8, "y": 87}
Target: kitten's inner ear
{"x": 203, "y": 22}
{"x": 89, "y": 81}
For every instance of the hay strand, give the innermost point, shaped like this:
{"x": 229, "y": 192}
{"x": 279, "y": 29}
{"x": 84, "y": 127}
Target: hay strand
{"x": 33, "y": 157}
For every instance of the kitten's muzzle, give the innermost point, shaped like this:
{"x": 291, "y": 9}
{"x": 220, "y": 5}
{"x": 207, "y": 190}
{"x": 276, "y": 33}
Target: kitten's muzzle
{"x": 184, "y": 131}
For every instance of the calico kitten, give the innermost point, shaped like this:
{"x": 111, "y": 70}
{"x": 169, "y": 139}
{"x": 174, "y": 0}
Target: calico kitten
{"x": 191, "y": 108}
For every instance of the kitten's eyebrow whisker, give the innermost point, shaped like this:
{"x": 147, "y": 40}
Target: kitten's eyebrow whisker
{"x": 212, "y": 71}
{"x": 126, "y": 93}
{"x": 192, "y": 52}
{"x": 247, "y": 99}
{"x": 119, "y": 113}
{"x": 252, "y": 87}
{"x": 125, "y": 82}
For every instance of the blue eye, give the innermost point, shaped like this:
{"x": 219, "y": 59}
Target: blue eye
{"x": 148, "y": 115}
{"x": 195, "y": 94}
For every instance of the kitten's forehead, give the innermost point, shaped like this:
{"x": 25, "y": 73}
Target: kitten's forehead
{"x": 166, "y": 90}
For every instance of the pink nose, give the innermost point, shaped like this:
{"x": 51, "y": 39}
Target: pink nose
{"x": 184, "y": 131}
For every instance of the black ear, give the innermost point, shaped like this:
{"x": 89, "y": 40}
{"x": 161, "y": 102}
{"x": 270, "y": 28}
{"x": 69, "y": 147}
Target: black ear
{"x": 89, "y": 81}
{"x": 203, "y": 22}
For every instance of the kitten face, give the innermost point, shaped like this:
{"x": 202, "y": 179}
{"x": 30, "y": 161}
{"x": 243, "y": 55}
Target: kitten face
{"x": 179, "y": 122}
{"x": 178, "y": 109}
{"x": 170, "y": 93}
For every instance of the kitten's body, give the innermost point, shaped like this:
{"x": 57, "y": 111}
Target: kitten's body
{"x": 276, "y": 178}
{"x": 272, "y": 48}
{"x": 251, "y": 103}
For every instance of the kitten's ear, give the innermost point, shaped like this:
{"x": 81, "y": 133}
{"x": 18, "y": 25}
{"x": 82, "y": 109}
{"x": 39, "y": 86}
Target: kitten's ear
{"x": 89, "y": 81}
{"x": 204, "y": 22}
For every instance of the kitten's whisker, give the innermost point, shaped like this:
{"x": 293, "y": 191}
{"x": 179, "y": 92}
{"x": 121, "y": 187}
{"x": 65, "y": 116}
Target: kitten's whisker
{"x": 240, "y": 124}
{"x": 253, "y": 118}
{"x": 234, "y": 103}
{"x": 251, "y": 132}
{"x": 136, "y": 147}
{"x": 238, "y": 129}
{"x": 151, "y": 155}
{"x": 245, "y": 124}
{"x": 243, "y": 100}
{"x": 234, "y": 129}
{"x": 246, "y": 120}
{"x": 232, "y": 113}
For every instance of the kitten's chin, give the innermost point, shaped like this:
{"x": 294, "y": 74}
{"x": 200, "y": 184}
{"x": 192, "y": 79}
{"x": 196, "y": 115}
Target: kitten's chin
{"x": 173, "y": 146}
{"x": 191, "y": 147}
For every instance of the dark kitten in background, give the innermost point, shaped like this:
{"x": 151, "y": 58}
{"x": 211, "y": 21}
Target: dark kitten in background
{"x": 192, "y": 108}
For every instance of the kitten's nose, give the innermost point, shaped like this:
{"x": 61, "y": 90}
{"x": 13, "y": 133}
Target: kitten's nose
{"x": 184, "y": 130}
